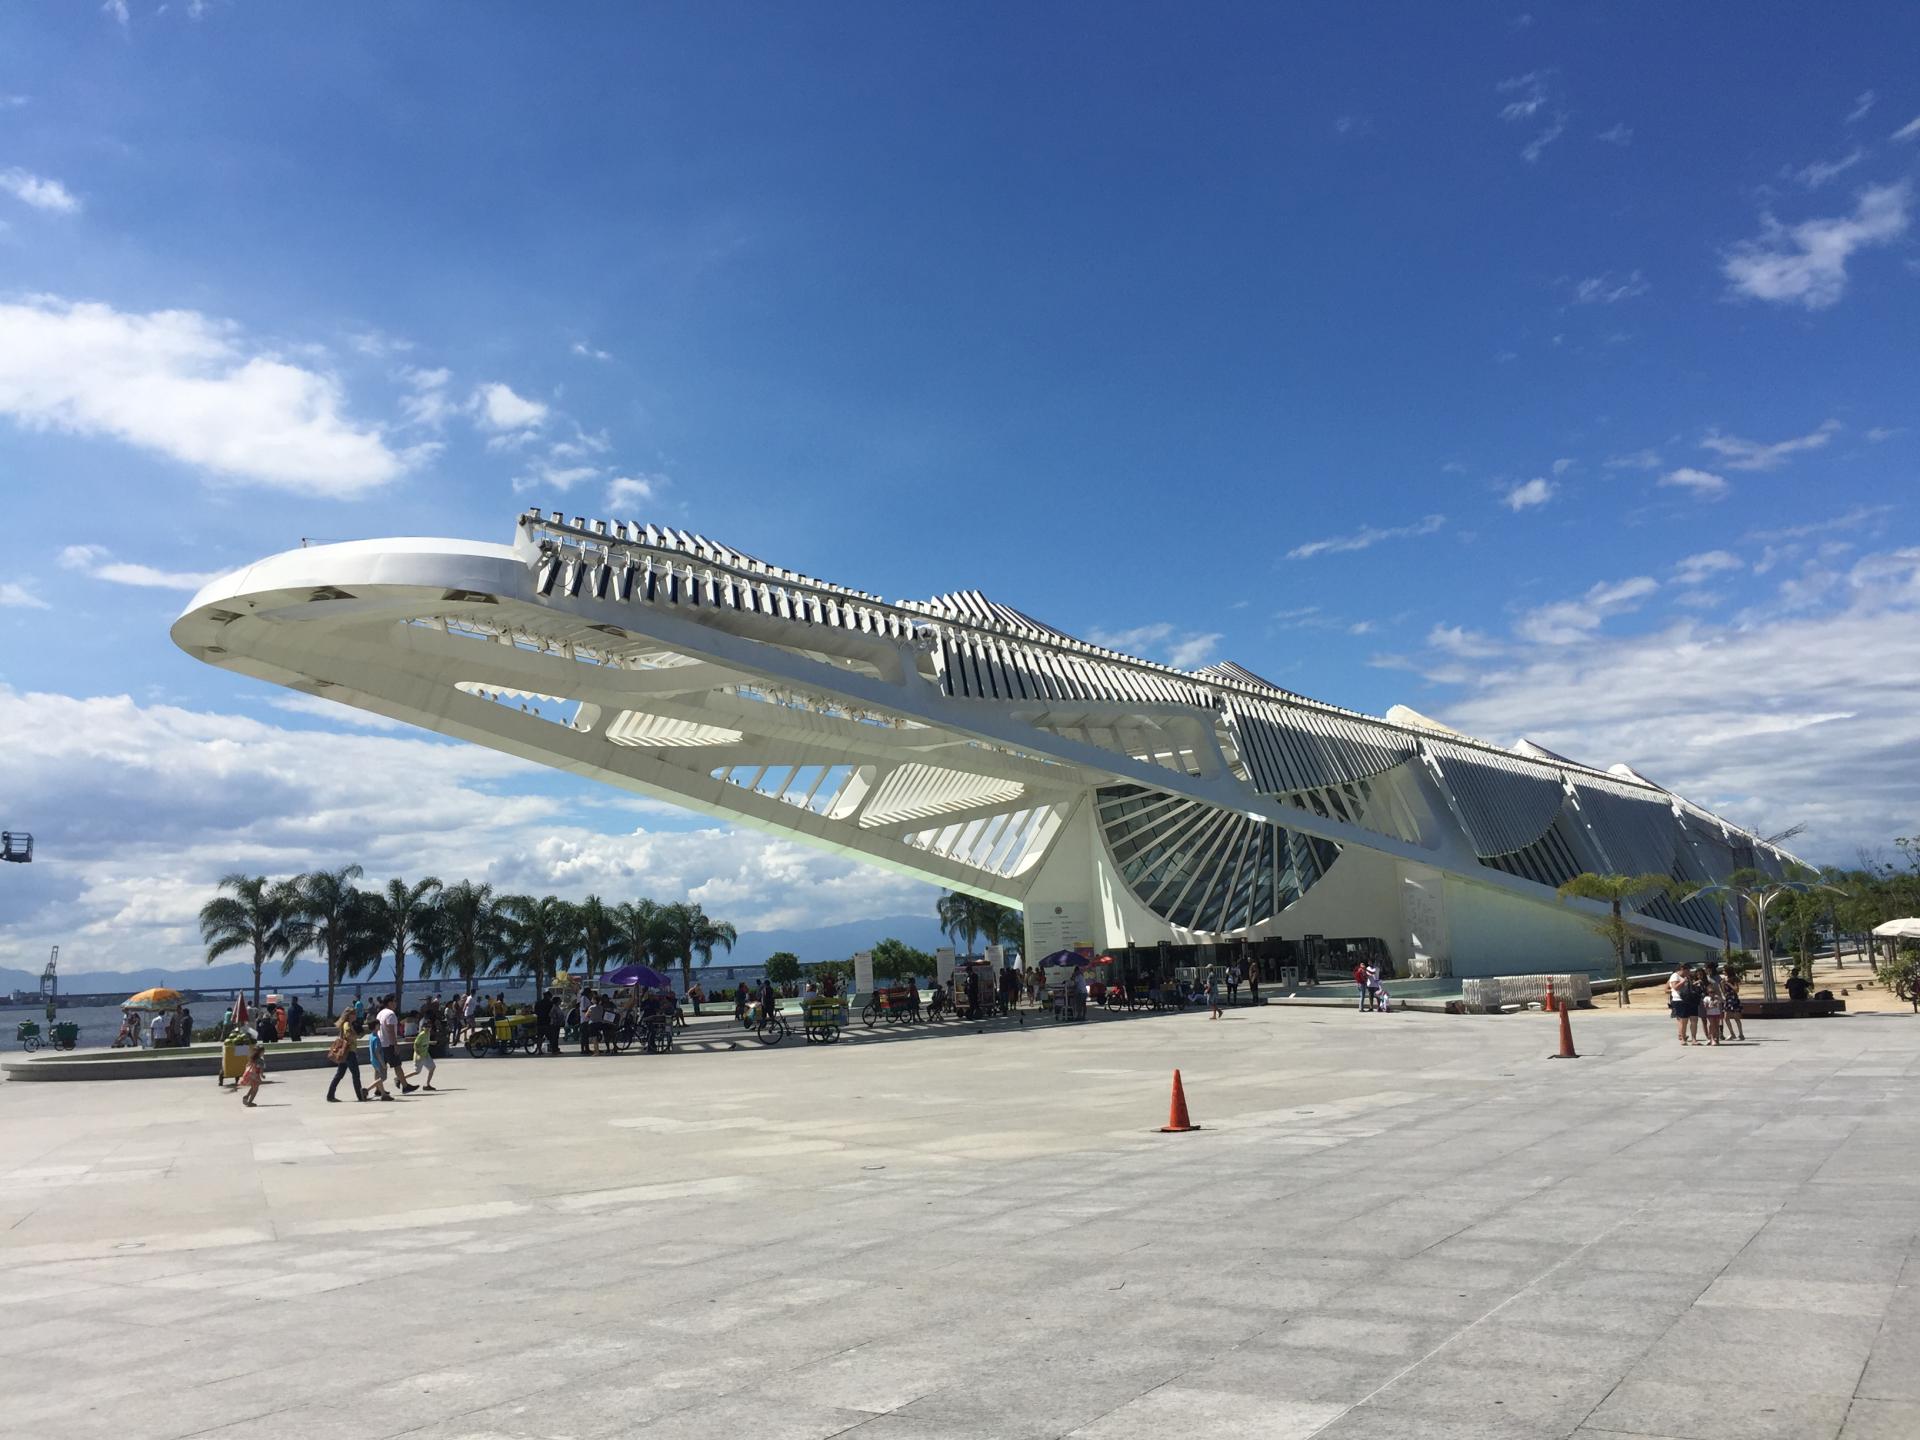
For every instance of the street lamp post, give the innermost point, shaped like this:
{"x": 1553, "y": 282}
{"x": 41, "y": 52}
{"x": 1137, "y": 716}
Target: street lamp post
{"x": 1760, "y": 897}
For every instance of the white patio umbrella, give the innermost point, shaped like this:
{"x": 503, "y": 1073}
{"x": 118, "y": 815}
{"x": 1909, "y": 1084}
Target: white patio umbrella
{"x": 1908, "y": 929}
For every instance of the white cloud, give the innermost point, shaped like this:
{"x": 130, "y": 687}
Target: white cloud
{"x": 1616, "y": 135}
{"x": 1561, "y": 467}
{"x": 627, "y": 490}
{"x": 158, "y": 801}
{"x": 1160, "y": 641}
{"x": 1567, "y": 622}
{"x": 1192, "y": 650}
{"x": 1458, "y": 640}
{"x": 15, "y": 596}
{"x": 1365, "y": 538}
{"x": 1537, "y": 491}
{"x": 1638, "y": 460}
{"x": 1854, "y": 519}
{"x": 589, "y": 352}
{"x": 1819, "y": 172}
{"x": 554, "y": 477}
{"x": 1605, "y": 290}
{"x": 1862, "y": 103}
{"x": 1885, "y": 432}
{"x": 1696, "y": 568}
{"x": 1700, "y": 707}
{"x": 1536, "y": 147}
{"x": 1738, "y": 454}
{"x": 1806, "y": 264}
{"x": 186, "y": 386}
{"x": 1907, "y": 131}
{"x": 115, "y": 10}
{"x": 1704, "y": 484}
{"x": 38, "y": 191}
{"x": 1529, "y": 92}
{"x": 99, "y": 562}
{"x": 499, "y": 408}
{"x": 427, "y": 402}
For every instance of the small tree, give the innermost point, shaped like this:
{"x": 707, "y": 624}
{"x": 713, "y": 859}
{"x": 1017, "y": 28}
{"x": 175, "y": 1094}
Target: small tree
{"x": 1616, "y": 891}
{"x": 1899, "y": 971}
{"x": 783, "y": 967}
{"x": 896, "y": 960}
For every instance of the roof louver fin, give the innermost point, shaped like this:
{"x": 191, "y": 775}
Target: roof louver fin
{"x": 1506, "y": 803}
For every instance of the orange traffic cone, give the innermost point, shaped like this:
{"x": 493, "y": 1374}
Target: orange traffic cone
{"x": 1549, "y": 1006}
{"x": 1177, "y": 1121}
{"x": 1567, "y": 1052}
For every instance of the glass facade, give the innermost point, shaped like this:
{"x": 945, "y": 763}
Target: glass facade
{"x": 1203, "y": 868}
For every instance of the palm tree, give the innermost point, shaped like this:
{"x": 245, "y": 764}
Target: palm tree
{"x": 326, "y": 913}
{"x": 684, "y": 930}
{"x": 541, "y": 933}
{"x": 600, "y": 937}
{"x": 639, "y": 923}
{"x": 1615, "y": 891}
{"x": 401, "y": 909}
{"x": 255, "y": 918}
{"x": 960, "y": 918}
{"x": 1002, "y": 925}
{"x": 468, "y": 925}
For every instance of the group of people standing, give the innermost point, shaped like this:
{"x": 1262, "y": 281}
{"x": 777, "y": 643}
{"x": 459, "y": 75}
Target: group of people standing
{"x": 1704, "y": 1001}
{"x": 1372, "y": 985}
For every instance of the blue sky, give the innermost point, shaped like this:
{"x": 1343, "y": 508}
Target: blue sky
{"x": 1548, "y": 371}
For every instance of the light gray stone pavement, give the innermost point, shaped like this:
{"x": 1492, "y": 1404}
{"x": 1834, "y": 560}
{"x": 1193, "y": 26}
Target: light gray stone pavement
{"x": 1392, "y": 1226}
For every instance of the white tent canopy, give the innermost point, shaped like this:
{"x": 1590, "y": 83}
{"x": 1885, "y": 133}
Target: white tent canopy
{"x": 1908, "y": 929}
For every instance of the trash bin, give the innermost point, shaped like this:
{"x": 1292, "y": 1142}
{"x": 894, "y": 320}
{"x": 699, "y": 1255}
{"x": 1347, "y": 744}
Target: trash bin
{"x": 235, "y": 1051}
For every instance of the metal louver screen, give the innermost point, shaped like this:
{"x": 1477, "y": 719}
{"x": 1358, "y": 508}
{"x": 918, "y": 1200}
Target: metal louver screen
{"x": 1504, "y": 802}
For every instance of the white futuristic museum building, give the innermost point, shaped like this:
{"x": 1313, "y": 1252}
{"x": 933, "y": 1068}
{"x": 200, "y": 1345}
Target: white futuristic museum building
{"x": 1116, "y": 801}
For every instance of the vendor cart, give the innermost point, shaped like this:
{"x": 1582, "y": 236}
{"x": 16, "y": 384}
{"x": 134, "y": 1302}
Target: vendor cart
{"x": 821, "y": 1019}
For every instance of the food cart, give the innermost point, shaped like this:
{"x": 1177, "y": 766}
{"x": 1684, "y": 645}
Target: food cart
{"x": 822, "y": 1017}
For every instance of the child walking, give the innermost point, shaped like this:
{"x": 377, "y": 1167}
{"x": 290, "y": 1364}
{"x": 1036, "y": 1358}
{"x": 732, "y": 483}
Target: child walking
{"x": 423, "y": 1055}
{"x": 250, "y": 1077}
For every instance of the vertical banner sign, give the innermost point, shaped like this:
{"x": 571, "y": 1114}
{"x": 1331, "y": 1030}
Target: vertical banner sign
{"x": 862, "y": 972}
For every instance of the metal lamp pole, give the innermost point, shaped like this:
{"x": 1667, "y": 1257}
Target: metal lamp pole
{"x": 1761, "y": 897}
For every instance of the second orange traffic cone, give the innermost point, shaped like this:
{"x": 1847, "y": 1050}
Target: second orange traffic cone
{"x": 1177, "y": 1121}
{"x": 1567, "y": 1052}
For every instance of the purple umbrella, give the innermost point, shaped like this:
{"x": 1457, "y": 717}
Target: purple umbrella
{"x": 1062, "y": 959}
{"x": 644, "y": 977}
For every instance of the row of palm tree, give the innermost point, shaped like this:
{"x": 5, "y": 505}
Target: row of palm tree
{"x": 461, "y": 931}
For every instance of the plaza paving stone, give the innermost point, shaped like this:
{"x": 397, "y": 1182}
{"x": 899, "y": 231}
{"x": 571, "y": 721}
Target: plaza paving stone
{"x": 1389, "y": 1226}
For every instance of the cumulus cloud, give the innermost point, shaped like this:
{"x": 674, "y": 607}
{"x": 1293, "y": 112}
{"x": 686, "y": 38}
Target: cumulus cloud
{"x": 498, "y": 407}
{"x": 99, "y": 562}
{"x": 1704, "y": 484}
{"x": 1806, "y": 264}
{"x": 628, "y": 490}
{"x": 1567, "y": 622}
{"x": 157, "y": 802}
{"x": 1738, "y": 454}
{"x": 1366, "y": 538}
{"x": 1528, "y": 494}
{"x": 1700, "y": 707}
{"x": 1458, "y": 640}
{"x": 188, "y": 387}
{"x": 38, "y": 191}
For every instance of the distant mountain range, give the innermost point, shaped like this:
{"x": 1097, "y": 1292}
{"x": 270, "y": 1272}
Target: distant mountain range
{"x": 824, "y": 942}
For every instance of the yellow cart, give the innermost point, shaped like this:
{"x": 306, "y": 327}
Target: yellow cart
{"x": 235, "y": 1051}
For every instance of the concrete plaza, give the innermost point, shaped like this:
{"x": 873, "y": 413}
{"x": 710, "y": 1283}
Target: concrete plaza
{"x": 1391, "y": 1226}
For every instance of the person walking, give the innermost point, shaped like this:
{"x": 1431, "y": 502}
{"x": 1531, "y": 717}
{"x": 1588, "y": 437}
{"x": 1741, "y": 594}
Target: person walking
{"x": 1233, "y": 984}
{"x": 543, "y": 1019}
{"x": 345, "y": 1054}
{"x": 296, "y": 1019}
{"x": 250, "y": 1078}
{"x": 740, "y": 1002}
{"x": 1213, "y": 991}
{"x": 1253, "y": 983}
{"x": 386, "y": 1029}
{"x": 423, "y": 1054}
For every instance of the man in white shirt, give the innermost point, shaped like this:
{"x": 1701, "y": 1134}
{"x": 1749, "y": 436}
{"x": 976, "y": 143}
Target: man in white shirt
{"x": 387, "y": 1026}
